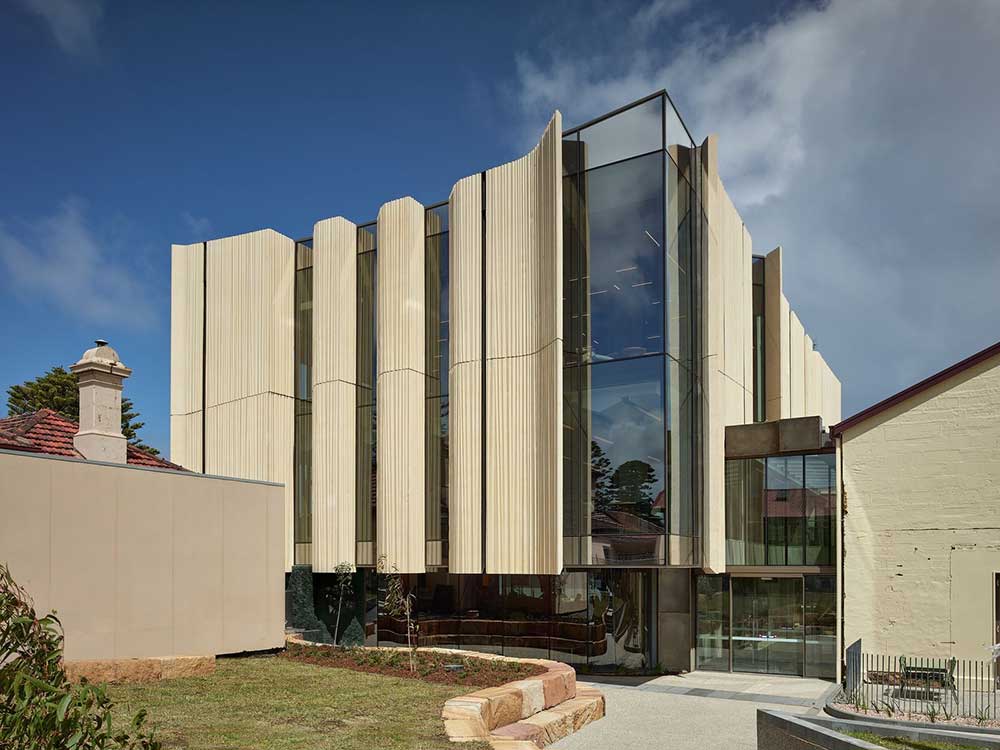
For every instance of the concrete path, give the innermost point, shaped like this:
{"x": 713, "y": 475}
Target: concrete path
{"x": 700, "y": 710}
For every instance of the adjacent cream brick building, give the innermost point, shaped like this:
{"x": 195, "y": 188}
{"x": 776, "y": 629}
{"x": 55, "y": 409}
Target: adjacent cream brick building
{"x": 921, "y": 502}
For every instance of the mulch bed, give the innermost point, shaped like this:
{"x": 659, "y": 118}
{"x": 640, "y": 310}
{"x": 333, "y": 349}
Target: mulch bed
{"x": 430, "y": 666}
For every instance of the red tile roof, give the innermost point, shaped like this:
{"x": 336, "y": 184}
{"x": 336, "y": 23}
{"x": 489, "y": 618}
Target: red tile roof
{"x": 49, "y": 432}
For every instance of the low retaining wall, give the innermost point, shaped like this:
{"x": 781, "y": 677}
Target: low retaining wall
{"x": 781, "y": 731}
{"x": 139, "y": 670}
{"x": 529, "y": 713}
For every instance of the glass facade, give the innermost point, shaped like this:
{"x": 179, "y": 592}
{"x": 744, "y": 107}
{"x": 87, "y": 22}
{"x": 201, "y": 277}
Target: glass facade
{"x": 366, "y": 424}
{"x": 302, "y": 518}
{"x": 780, "y": 510}
{"x": 436, "y": 412}
{"x": 781, "y": 624}
{"x": 597, "y": 620}
{"x": 630, "y": 378}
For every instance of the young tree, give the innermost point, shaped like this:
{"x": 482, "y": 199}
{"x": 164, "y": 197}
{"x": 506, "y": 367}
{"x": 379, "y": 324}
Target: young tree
{"x": 399, "y": 603}
{"x": 59, "y": 390}
{"x": 39, "y": 706}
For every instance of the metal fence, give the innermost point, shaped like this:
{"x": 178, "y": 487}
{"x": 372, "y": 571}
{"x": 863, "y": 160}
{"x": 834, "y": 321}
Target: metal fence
{"x": 938, "y": 689}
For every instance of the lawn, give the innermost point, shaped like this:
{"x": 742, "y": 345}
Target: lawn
{"x": 274, "y": 702}
{"x": 905, "y": 743}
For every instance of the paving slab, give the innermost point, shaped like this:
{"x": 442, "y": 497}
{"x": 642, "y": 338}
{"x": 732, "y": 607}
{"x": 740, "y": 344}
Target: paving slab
{"x": 703, "y": 711}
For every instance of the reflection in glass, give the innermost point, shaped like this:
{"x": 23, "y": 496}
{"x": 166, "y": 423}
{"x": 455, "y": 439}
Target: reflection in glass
{"x": 570, "y": 639}
{"x": 821, "y": 626}
{"x": 620, "y": 601}
{"x": 616, "y": 297}
{"x": 712, "y": 637}
{"x": 615, "y": 435}
{"x": 780, "y": 510}
{"x": 767, "y": 625}
{"x": 481, "y": 613}
{"x": 528, "y": 615}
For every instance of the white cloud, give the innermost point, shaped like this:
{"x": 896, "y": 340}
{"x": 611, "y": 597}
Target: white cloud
{"x": 200, "y": 226}
{"x": 60, "y": 261}
{"x": 861, "y": 137}
{"x": 73, "y": 23}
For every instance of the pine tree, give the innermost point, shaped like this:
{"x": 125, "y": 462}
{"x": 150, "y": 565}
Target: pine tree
{"x": 600, "y": 477}
{"x": 59, "y": 390}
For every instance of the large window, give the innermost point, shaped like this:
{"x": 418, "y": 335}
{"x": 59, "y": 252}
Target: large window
{"x": 598, "y": 620}
{"x": 302, "y": 531}
{"x": 436, "y": 406}
{"x": 780, "y": 510}
{"x": 630, "y": 378}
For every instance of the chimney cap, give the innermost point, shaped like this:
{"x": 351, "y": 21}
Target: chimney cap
{"x": 101, "y": 357}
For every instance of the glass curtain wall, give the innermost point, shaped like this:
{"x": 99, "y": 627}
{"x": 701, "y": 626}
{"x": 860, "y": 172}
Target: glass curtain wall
{"x": 782, "y": 624}
{"x": 365, "y": 426}
{"x": 302, "y": 521}
{"x": 436, "y": 412}
{"x": 780, "y": 510}
{"x": 628, "y": 326}
{"x": 597, "y": 620}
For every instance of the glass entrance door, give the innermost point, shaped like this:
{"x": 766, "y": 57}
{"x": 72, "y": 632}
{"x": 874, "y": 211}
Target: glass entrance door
{"x": 767, "y": 625}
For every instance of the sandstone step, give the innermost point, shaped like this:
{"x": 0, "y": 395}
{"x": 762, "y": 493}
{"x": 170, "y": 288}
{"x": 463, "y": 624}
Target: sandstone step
{"x": 545, "y": 727}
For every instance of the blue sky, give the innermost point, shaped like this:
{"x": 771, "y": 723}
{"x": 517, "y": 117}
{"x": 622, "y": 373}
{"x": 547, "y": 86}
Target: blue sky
{"x": 857, "y": 135}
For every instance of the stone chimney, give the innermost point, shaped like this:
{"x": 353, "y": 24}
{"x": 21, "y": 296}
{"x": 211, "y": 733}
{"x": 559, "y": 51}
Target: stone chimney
{"x": 101, "y": 374}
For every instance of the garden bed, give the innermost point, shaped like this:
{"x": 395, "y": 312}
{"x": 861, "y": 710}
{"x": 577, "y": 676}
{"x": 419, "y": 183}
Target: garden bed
{"x": 432, "y": 666}
{"x": 882, "y": 715}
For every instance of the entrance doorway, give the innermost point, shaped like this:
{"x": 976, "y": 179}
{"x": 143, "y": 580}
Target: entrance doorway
{"x": 771, "y": 624}
{"x": 767, "y": 625}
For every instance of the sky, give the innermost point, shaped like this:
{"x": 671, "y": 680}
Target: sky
{"x": 858, "y": 135}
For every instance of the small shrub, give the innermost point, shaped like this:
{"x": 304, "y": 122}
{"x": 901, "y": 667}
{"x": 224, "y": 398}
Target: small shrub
{"x": 932, "y": 713}
{"x": 983, "y": 715}
{"x": 354, "y": 635}
{"x": 39, "y": 707}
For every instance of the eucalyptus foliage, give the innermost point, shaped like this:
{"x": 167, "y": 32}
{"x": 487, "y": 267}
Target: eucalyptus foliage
{"x": 39, "y": 706}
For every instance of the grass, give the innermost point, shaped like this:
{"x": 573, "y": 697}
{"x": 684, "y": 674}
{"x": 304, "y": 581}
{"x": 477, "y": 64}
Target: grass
{"x": 272, "y": 702}
{"x": 905, "y": 743}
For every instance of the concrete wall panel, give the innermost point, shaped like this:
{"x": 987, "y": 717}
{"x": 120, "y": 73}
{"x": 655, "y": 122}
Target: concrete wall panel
{"x": 401, "y": 385}
{"x": 187, "y": 306}
{"x": 797, "y": 366}
{"x": 465, "y": 378}
{"x": 523, "y": 276}
{"x": 334, "y": 395}
{"x": 142, "y": 563}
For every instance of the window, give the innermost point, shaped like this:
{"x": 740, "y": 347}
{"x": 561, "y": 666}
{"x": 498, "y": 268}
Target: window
{"x": 780, "y": 510}
{"x": 302, "y": 520}
{"x": 759, "y": 381}
{"x": 366, "y": 419}
{"x": 628, "y": 289}
{"x": 436, "y": 407}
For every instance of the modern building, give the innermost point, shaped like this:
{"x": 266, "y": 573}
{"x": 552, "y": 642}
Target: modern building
{"x": 519, "y": 398}
{"x": 921, "y": 510}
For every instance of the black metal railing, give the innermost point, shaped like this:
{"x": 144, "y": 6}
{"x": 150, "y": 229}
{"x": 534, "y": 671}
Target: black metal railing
{"x": 922, "y": 688}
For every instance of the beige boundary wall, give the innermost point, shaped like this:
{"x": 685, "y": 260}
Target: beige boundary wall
{"x": 145, "y": 562}
{"x": 921, "y": 489}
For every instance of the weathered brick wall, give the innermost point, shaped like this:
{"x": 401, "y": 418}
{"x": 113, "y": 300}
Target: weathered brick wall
{"x": 922, "y": 527}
